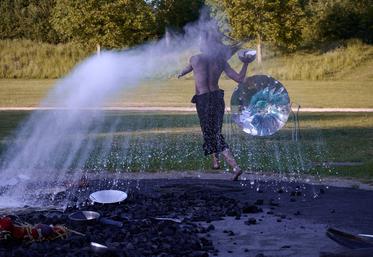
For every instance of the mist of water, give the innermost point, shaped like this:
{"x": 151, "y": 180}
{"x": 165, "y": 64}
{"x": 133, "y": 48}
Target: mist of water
{"x": 57, "y": 146}
{"x": 54, "y": 145}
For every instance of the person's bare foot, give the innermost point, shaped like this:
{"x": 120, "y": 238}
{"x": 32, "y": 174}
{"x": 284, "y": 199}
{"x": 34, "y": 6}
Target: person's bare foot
{"x": 237, "y": 173}
{"x": 215, "y": 162}
{"x": 232, "y": 162}
{"x": 216, "y": 167}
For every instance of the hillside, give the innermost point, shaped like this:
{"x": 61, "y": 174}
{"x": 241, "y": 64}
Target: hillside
{"x": 24, "y": 59}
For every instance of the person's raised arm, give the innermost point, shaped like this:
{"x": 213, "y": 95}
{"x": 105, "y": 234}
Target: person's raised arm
{"x": 185, "y": 71}
{"x": 231, "y": 73}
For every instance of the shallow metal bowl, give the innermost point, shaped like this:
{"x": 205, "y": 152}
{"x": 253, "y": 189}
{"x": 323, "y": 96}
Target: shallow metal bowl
{"x": 247, "y": 55}
{"x": 108, "y": 196}
{"x": 84, "y": 216}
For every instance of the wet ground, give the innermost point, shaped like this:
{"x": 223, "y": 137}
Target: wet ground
{"x": 218, "y": 218}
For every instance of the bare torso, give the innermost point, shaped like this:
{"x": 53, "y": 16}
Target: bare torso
{"x": 207, "y": 71}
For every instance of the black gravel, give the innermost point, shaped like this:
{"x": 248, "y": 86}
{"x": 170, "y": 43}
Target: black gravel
{"x": 141, "y": 234}
{"x": 195, "y": 203}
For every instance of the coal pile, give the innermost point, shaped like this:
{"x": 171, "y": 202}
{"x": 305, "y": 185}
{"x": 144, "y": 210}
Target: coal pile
{"x": 142, "y": 233}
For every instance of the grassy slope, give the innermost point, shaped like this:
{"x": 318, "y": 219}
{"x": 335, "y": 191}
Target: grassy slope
{"x": 347, "y": 75}
{"x": 24, "y": 59}
{"x": 27, "y": 59}
{"x": 330, "y": 65}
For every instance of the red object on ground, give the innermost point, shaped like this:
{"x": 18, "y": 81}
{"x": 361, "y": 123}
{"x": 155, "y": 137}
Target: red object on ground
{"x": 6, "y": 223}
{"x": 39, "y": 232}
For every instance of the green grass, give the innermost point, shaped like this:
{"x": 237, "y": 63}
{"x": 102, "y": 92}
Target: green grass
{"x": 177, "y": 93}
{"x": 25, "y": 93}
{"x": 171, "y": 141}
{"x": 27, "y": 59}
{"x": 342, "y": 94}
{"x": 156, "y": 141}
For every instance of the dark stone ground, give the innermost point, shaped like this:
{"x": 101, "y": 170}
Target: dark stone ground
{"x": 219, "y": 218}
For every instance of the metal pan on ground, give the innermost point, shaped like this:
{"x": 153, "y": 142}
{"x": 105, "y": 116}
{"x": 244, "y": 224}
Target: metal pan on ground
{"x": 175, "y": 220}
{"x": 92, "y": 216}
{"x": 84, "y": 216}
{"x": 108, "y": 196}
{"x": 102, "y": 250}
{"x": 96, "y": 246}
{"x": 366, "y": 235}
{"x": 348, "y": 240}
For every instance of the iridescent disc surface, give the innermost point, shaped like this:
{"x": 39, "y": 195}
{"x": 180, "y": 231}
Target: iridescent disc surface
{"x": 260, "y": 105}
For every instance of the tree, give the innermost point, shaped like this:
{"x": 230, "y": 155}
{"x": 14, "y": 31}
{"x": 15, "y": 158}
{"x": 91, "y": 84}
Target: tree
{"x": 217, "y": 11}
{"x": 175, "y": 14}
{"x": 111, "y": 24}
{"x": 339, "y": 19}
{"x": 27, "y": 19}
{"x": 289, "y": 21}
{"x": 276, "y": 21}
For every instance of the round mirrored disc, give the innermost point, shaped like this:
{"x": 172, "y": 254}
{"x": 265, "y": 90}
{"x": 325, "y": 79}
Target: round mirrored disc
{"x": 260, "y": 105}
{"x": 108, "y": 196}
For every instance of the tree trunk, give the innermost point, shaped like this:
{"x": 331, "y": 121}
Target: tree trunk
{"x": 259, "y": 50}
{"x": 167, "y": 37}
{"x": 98, "y": 49}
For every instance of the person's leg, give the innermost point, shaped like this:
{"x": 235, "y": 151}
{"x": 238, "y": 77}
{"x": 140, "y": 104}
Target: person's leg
{"x": 222, "y": 145}
{"x": 217, "y": 118}
{"x": 202, "y": 106}
{"x": 215, "y": 161}
{"x": 228, "y": 157}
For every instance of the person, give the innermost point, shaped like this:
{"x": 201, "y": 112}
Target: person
{"x": 207, "y": 68}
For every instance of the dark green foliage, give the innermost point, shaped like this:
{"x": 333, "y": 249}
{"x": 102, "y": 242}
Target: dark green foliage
{"x": 111, "y": 24}
{"x": 28, "y": 19}
{"x": 289, "y": 20}
{"x": 286, "y": 24}
{"x": 340, "y": 19}
{"x": 291, "y": 23}
{"x": 276, "y": 21}
{"x": 217, "y": 10}
{"x": 175, "y": 14}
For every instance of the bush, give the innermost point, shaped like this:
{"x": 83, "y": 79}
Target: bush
{"x": 27, "y": 19}
{"x": 339, "y": 19}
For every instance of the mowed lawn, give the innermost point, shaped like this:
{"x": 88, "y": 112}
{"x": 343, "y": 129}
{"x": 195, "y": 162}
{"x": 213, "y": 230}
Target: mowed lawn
{"x": 161, "y": 141}
{"x": 352, "y": 93}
